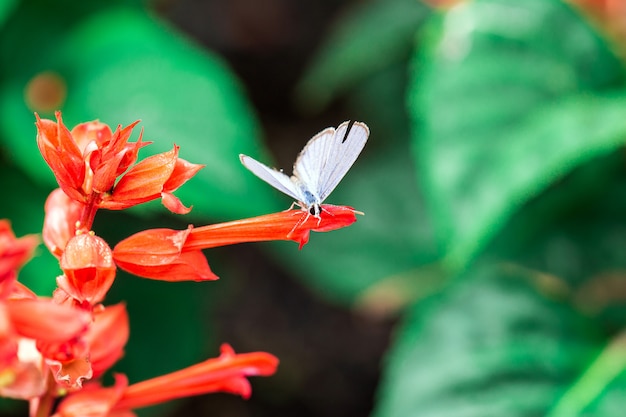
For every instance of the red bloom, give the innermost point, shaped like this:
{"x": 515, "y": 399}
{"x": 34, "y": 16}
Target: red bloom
{"x": 88, "y": 160}
{"x": 175, "y": 255}
{"x": 227, "y": 373}
{"x": 88, "y": 268}
{"x": 39, "y": 321}
{"x": 295, "y": 225}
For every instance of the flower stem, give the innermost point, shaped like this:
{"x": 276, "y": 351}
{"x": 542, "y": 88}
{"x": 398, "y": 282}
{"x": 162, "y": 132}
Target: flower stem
{"x": 46, "y": 401}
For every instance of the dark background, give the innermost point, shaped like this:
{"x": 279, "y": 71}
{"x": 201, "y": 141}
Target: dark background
{"x": 331, "y": 357}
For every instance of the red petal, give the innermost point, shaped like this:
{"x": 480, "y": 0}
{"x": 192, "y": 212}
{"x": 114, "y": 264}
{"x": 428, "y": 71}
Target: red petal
{"x": 107, "y": 337}
{"x": 14, "y": 253}
{"x": 44, "y": 320}
{"x": 183, "y": 171}
{"x": 93, "y": 400}
{"x": 158, "y": 254}
{"x": 117, "y": 156}
{"x": 225, "y": 373}
{"x": 173, "y": 204}
{"x": 62, "y": 155}
{"x": 145, "y": 180}
{"x": 27, "y": 381}
{"x": 71, "y": 374}
{"x": 94, "y": 132}
{"x": 59, "y": 224}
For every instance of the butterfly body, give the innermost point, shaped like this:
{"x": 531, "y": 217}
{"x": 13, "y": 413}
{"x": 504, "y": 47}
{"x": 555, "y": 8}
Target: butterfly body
{"x": 321, "y": 164}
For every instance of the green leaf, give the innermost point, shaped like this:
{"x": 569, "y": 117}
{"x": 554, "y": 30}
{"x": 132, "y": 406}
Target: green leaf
{"x": 492, "y": 345}
{"x": 576, "y": 231}
{"x": 368, "y": 38}
{"x": 6, "y": 8}
{"x": 145, "y": 70}
{"x": 393, "y": 238}
{"x": 503, "y": 106}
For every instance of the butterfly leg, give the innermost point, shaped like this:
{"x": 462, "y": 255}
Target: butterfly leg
{"x": 299, "y": 223}
{"x": 293, "y": 204}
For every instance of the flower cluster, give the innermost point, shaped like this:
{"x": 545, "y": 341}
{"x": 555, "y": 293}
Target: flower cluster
{"x": 58, "y": 347}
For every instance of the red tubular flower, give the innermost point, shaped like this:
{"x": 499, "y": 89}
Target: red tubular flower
{"x": 160, "y": 254}
{"x": 88, "y": 160}
{"x": 175, "y": 255}
{"x": 293, "y": 225}
{"x": 88, "y": 268}
{"x": 227, "y": 373}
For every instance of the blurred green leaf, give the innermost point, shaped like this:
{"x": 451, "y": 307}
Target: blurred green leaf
{"x": 492, "y": 345}
{"x": 380, "y": 102}
{"x": 6, "y": 8}
{"x": 503, "y": 105}
{"x": 121, "y": 65}
{"x": 578, "y": 237}
{"x": 372, "y": 36}
{"x": 393, "y": 237}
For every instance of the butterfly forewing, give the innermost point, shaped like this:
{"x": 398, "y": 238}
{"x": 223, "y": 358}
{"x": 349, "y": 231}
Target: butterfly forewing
{"x": 312, "y": 160}
{"x": 273, "y": 177}
{"x": 327, "y": 158}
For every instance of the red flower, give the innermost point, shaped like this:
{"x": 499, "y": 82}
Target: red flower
{"x": 24, "y": 322}
{"x": 227, "y": 373}
{"x": 160, "y": 254}
{"x": 88, "y": 268}
{"x": 175, "y": 255}
{"x": 88, "y": 160}
{"x": 26, "y": 319}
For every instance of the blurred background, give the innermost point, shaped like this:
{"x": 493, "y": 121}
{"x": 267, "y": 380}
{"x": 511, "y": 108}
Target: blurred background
{"x": 487, "y": 275}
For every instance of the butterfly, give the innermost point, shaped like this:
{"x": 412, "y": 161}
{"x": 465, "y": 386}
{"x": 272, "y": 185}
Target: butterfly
{"x": 321, "y": 164}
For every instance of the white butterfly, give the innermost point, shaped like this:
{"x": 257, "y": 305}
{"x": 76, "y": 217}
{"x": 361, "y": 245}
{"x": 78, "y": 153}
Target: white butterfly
{"x": 322, "y": 163}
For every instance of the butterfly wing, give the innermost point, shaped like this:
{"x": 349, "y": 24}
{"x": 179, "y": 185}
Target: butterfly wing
{"x": 273, "y": 177}
{"x": 328, "y": 156}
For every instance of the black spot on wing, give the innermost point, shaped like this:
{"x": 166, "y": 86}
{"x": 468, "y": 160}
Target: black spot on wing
{"x": 350, "y": 124}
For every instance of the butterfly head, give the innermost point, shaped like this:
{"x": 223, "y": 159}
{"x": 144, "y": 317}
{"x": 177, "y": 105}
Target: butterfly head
{"x": 311, "y": 203}
{"x": 315, "y": 210}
